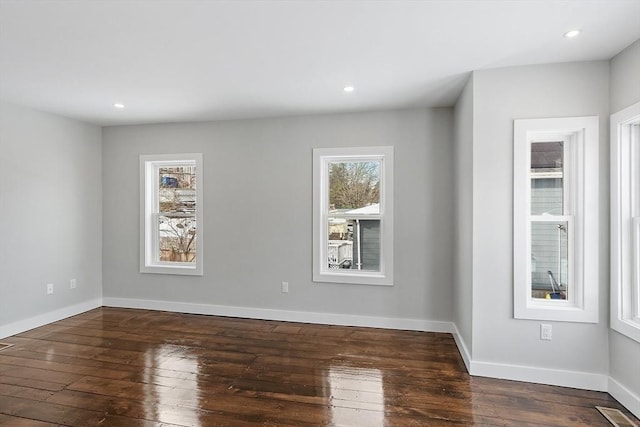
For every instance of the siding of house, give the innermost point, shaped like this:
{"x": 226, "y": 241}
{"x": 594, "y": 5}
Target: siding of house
{"x": 546, "y": 196}
{"x": 548, "y": 242}
{"x": 549, "y": 253}
{"x": 370, "y": 231}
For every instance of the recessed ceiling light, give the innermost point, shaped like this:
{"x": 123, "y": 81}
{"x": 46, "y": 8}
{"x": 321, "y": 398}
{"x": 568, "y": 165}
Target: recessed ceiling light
{"x": 571, "y": 34}
{"x": 118, "y": 105}
{"x": 349, "y": 88}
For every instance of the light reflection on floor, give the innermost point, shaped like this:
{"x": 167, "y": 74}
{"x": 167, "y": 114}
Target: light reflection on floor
{"x": 171, "y": 404}
{"x": 357, "y": 396}
{"x": 50, "y": 354}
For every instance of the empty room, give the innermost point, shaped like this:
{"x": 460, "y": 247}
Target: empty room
{"x": 306, "y": 213}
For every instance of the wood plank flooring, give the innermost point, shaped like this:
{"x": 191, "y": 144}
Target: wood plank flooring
{"x": 122, "y": 367}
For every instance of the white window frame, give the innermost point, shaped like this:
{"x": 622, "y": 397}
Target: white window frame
{"x": 625, "y": 221}
{"x": 580, "y": 137}
{"x": 322, "y": 157}
{"x": 149, "y": 191}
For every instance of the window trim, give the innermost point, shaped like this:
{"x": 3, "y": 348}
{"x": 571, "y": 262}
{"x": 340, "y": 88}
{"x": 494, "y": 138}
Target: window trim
{"x": 321, "y": 159}
{"x": 582, "y": 134}
{"x": 625, "y": 288}
{"x": 149, "y": 164}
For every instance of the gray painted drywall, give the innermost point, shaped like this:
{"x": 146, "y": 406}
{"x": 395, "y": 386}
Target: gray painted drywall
{"x": 257, "y": 209}
{"x": 50, "y": 210}
{"x": 463, "y": 226}
{"x": 500, "y": 96}
{"x": 625, "y": 83}
{"x": 624, "y": 353}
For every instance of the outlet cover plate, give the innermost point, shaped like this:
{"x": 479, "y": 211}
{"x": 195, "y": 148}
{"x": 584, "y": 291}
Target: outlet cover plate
{"x": 546, "y": 332}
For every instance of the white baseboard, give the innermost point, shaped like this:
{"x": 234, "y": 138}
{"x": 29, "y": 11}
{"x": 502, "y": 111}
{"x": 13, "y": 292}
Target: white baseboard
{"x": 462, "y": 348}
{"x": 625, "y": 396}
{"x": 284, "y": 315}
{"x": 49, "y": 317}
{"x": 532, "y": 374}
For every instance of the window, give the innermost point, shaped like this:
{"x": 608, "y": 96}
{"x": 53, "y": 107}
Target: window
{"x": 171, "y": 214}
{"x": 625, "y": 221}
{"x": 556, "y": 219}
{"x": 353, "y": 215}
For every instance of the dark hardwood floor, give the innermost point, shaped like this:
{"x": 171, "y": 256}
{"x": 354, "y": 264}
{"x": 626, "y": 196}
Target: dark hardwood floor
{"x": 120, "y": 367}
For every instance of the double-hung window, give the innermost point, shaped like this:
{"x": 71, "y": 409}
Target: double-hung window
{"x": 171, "y": 214}
{"x": 625, "y": 221}
{"x": 353, "y": 215}
{"x": 556, "y": 219}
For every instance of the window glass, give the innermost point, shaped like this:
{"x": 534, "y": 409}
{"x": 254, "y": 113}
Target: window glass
{"x": 353, "y": 240}
{"x": 354, "y": 185}
{"x": 177, "y": 229}
{"x": 354, "y": 244}
{"x": 549, "y": 259}
{"x": 547, "y": 176}
{"x": 549, "y": 240}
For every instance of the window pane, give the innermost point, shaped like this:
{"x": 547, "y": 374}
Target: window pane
{"x": 547, "y": 175}
{"x": 354, "y": 244}
{"x": 354, "y": 185}
{"x": 177, "y": 201}
{"x": 177, "y": 188}
{"x": 177, "y": 235}
{"x": 549, "y": 259}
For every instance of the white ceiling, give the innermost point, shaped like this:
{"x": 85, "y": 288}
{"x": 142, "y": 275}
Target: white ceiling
{"x": 171, "y": 60}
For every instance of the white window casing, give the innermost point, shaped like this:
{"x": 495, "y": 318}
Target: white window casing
{"x": 151, "y": 215}
{"x": 625, "y": 221}
{"x": 578, "y": 137}
{"x": 382, "y": 215}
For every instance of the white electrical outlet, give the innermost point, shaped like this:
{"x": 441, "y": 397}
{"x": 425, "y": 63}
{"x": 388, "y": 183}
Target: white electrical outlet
{"x": 49, "y": 288}
{"x": 72, "y": 284}
{"x": 285, "y": 287}
{"x": 546, "y": 332}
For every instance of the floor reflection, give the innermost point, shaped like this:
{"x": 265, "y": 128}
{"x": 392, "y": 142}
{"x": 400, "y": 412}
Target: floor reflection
{"x": 122, "y": 367}
{"x": 174, "y": 398}
{"x": 50, "y": 354}
{"x": 357, "y": 396}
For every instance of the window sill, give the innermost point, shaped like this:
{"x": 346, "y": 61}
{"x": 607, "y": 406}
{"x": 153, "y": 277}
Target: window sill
{"x": 183, "y": 270}
{"x": 627, "y": 327}
{"x": 559, "y": 311}
{"x": 375, "y": 279}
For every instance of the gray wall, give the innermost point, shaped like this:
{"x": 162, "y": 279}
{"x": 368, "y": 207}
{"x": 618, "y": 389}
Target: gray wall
{"x": 463, "y": 226}
{"x": 624, "y": 82}
{"x": 625, "y": 90}
{"x": 500, "y": 96}
{"x": 257, "y": 208}
{"x": 50, "y": 210}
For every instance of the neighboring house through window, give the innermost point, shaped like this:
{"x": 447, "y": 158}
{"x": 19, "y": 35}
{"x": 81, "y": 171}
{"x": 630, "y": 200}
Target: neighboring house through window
{"x": 625, "y": 221}
{"x": 171, "y": 214}
{"x": 353, "y": 215}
